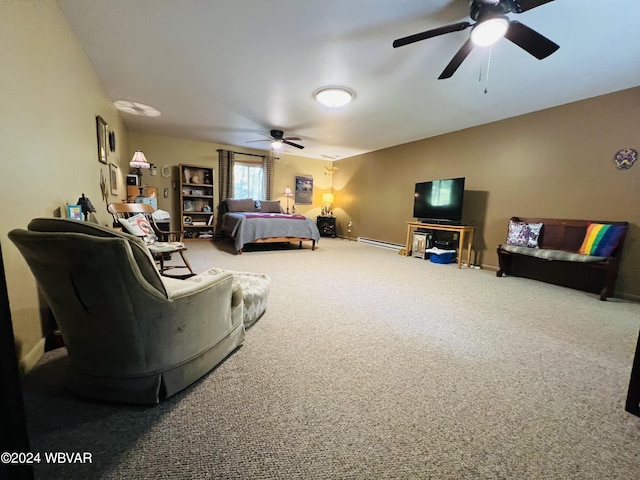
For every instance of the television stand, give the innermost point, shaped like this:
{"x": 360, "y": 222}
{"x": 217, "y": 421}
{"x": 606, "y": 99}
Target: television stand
{"x": 464, "y": 231}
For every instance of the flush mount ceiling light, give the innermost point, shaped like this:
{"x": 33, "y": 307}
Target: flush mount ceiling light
{"x": 136, "y": 108}
{"x": 489, "y": 31}
{"x": 333, "y": 97}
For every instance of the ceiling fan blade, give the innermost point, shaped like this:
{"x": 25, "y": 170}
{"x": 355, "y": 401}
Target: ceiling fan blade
{"x": 529, "y": 40}
{"x": 292, "y": 138}
{"x": 457, "y": 60}
{"x": 263, "y": 140}
{"x": 292, "y": 144}
{"x": 456, "y": 27}
{"x": 520, "y": 6}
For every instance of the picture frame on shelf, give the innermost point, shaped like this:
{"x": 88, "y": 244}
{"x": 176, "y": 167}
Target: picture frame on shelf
{"x": 113, "y": 178}
{"x": 189, "y": 205}
{"x": 74, "y": 212}
{"x": 132, "y": 180}
{"x": 419, "y": 245}
{"x": 101, "y": 131}
{"x": 304, "y": 190}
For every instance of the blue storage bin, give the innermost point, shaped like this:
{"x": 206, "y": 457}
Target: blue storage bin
{"x": 442, "y": 257}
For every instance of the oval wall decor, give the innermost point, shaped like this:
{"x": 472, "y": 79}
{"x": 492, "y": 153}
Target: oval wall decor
{"x": 625, "y": 158}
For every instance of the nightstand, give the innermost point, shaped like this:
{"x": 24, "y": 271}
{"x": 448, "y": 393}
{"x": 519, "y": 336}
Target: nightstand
{"x": 326, "y": 226}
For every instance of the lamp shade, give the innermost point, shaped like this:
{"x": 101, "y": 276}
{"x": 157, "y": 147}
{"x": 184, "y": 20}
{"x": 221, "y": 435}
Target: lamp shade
{"x": 288, "y": 192}
{"x": 139, "y": 160}
{"x": 327, "y": 198}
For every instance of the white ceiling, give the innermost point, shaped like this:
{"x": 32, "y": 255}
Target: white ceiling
{"x": 225, "y": 70}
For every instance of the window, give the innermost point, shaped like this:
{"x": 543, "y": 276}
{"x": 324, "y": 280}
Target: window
{"x": 248, "y": 180}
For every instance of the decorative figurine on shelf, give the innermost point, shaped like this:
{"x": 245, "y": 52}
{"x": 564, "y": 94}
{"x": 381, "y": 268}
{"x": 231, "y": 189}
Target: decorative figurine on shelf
{"x": 87, "y": 206}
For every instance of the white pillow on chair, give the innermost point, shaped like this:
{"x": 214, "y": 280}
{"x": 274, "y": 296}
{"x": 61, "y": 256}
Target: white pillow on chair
{"x": 139, "y": 226}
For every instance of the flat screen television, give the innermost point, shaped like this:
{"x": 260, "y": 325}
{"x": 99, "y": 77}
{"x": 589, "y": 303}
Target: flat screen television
{"x": 439, "y": 201}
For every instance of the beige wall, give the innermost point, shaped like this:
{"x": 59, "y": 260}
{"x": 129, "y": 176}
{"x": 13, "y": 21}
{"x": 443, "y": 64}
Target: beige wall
{"x": 553, "y": 163}
{"x": 48, "y": 153}
{"x": 168, "y": 151}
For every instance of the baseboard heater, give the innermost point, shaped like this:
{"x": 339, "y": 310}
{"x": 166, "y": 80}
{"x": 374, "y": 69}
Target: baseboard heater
{"x": 380, "y": 243}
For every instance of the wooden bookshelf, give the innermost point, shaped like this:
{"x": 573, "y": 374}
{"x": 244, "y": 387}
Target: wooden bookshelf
{"x": 196, "y": 202}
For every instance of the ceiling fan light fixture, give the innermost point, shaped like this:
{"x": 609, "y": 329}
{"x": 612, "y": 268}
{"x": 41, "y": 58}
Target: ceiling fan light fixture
{"x": 276, "y": 144}
{"x": 489, "y": 31}
{"x": 333, "y": 97}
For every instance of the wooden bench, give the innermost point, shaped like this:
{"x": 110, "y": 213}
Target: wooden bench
{"x": 557, "y": 260}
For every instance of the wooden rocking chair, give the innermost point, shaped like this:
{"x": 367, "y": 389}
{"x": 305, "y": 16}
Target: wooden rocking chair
{"x": 168, "y": 241}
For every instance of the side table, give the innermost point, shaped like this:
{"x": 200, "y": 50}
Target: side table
{"x": 326, "y": 226}
{"x": 464, "y": 231}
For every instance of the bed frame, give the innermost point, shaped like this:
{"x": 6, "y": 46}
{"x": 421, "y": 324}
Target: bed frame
{"x": 284, "y": 240}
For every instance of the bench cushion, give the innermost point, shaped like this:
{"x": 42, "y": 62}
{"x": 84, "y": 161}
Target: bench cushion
{"x": 550, "y": 254}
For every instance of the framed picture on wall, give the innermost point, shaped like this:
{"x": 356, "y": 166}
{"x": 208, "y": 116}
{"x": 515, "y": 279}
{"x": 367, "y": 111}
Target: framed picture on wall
{"x": 113, "y": 178}
{"x": 304, "y": 190}
{"x": 101, "y": 130}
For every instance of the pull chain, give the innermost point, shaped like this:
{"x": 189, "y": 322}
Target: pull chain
{"x": 486, "y": 84}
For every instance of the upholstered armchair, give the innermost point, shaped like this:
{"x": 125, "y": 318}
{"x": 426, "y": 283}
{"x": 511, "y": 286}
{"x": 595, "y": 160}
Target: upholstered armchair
{"x": 132, "y": 336}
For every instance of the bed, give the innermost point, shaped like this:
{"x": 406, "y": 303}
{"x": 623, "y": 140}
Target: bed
{"x": 251, "y": 221}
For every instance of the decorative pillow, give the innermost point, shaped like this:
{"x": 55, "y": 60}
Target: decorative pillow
{"x": 139, "y": 226}
{"x": 601, "y": 239}
{"x": 524, "y": 234}
{"x": 270, "y": 206}
{"x": 241, "y": 205}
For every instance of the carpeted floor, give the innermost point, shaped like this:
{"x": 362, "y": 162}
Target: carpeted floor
{"x": 370, "y": 365}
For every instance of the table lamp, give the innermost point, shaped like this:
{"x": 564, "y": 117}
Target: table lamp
{"x": 86, "y": 205}
{"x": 327, "y": 199}
{"x": 139, "y": 162}
{"x": 287, "y": 193}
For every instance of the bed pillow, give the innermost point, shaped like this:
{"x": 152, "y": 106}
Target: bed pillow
{"x": 241, "y": 205}
{"x": 270, "y": 206}
{"x": 601, "y": 239}
{"x": 524, "y": 234}
{"x": 139, "y": 226}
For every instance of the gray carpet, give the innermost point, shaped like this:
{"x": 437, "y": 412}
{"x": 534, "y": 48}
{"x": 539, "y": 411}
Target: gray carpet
{"x": 372, "y": 365}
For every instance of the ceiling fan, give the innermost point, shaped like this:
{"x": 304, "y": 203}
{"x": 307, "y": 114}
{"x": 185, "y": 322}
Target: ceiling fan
{"x": 277, "y": 138}
{"x": 491, "y": 25}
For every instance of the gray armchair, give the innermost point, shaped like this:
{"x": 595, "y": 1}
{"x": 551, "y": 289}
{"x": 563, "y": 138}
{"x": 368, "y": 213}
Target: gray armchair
{"x": 132, "y": 336}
